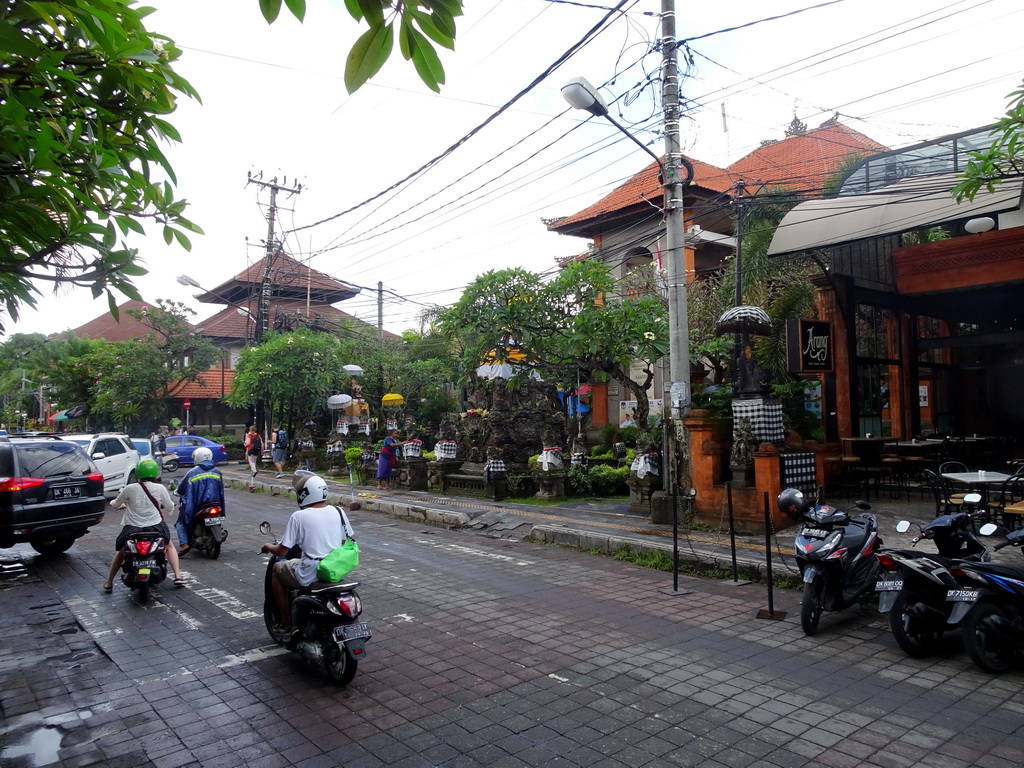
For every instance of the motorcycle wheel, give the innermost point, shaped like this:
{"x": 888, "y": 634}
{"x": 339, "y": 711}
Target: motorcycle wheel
{"x": 811, "y": 605}
{"x": 916, "y": 642}
{"x": 341, "y": 667}
{"x": 171, "y": 465}
{"x": 270, "y": 619}
{"x": 144, "y": 592}
{"x": 213, "y": 551}
{"x": 986, "y": 648}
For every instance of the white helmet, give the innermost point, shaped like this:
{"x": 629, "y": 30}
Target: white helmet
{"x": 202, "y": 454}
{"x": 313, "y": 491}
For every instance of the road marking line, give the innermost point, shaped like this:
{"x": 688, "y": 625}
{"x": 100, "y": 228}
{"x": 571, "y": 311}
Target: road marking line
{"x": 471, "y": 551}
{"x": 227, "y": 603}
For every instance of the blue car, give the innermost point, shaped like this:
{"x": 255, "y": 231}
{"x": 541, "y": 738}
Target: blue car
{"x": 183, "y": 445}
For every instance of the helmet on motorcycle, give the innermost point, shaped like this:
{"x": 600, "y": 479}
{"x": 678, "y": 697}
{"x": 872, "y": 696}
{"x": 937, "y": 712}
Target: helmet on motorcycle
{"x": 312, "y": 491}
{"x": 202, "y": 454}
{"x": 147, "y": 469}
{"x": 792, "y": 502}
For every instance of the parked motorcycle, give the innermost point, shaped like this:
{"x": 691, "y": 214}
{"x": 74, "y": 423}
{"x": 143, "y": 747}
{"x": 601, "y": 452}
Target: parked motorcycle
{"x": 916, "y": 585}
{"x": 326, "y": 631}
{"x": 835, "y": 553}
{"x": 145, "y": 564}
{"x": 993, "y": 629}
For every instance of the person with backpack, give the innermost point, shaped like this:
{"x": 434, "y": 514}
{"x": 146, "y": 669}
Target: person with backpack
{"x": 253, "y": 452}
{"x": 278, "y": 449}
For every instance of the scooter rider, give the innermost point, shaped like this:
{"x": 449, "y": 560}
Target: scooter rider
{"x": 315, "y": 527}
{"x": 201, "y": 485}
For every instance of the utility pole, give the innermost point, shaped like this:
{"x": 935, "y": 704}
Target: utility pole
{"x": 678, "y": 387}
{"x": 273, "y": 248}
{"x": 380, "y": 309}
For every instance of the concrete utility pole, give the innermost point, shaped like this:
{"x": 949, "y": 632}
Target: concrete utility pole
{"x": 380, "y": 309}
{"x": 273, "y": 248}
{"x": 678, "y": 388}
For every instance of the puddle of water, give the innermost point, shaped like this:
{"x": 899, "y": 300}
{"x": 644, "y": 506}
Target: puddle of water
{"x": 41, "y": 748}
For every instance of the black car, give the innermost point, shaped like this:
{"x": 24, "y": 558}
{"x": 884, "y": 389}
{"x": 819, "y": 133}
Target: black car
{"x": 50, "y": 493}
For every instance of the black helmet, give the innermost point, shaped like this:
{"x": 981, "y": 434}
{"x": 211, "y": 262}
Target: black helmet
{"x": 792, "y": 503}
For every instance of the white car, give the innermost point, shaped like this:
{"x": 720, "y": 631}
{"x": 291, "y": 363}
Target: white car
{"x": 114, "y": 455}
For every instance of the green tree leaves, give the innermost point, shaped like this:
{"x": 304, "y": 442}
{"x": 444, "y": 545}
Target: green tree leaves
{"x": 421, "y": 24}
{"x": 1005, "y": 157}
{"x": 80, "y": 128}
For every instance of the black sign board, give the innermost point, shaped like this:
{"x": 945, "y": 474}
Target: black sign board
{"x": 809, "y": 346}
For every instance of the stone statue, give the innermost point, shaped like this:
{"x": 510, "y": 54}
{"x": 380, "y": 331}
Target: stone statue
{"x": 743, "y": 444}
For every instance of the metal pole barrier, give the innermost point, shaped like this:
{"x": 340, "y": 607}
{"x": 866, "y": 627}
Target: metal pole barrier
{"x": 675, "y": 590}
{"x": 771, "y": 613}
{"x": 732, "y": 539}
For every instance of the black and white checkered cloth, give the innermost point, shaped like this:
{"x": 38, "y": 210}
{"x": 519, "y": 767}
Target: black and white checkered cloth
{"x": 550, "y": 458}
{"x": 765, "y": 418}
{"x": 413, "y": 448}
{"x": 799, "y": 471}
{"x": 578, "y": 458}
{"x": 645, "y": 464}
{"x": 445, "y": 449}
{"x": 494, "y": 470}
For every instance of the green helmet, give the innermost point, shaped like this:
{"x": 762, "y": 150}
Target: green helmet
{"x": 147, "y": 469}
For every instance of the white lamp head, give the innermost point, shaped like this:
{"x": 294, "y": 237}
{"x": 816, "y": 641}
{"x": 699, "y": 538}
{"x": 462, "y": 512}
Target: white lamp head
{"x": 186, "y": 280}
{"x": 582, "y": 95}
{"x": 979, "y": 225}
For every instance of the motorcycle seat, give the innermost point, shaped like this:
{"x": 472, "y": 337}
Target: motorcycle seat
{"x": 319, "y": 586}
{"x": 1009, "y": 571}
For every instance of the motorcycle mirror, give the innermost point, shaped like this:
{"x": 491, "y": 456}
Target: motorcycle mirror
{"x": 972, "y": 498}
{"x": 988, "y": 529}
{"x": 265, "y": 528}
{"x": 861, "y": 504}
{"x": 903, "y": 526}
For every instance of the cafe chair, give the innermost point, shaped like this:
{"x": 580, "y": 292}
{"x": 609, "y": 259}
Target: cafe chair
{"x": 1007, "y": 503}
{"x": 946, "y": 503}
{"x": 958, "y": 489}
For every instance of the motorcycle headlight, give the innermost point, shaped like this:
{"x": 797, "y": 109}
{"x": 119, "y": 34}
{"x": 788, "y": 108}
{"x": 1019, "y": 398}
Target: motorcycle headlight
{"x": 831, "y": 542}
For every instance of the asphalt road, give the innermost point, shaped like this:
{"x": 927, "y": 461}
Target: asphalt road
{"x": 486, "y": 652}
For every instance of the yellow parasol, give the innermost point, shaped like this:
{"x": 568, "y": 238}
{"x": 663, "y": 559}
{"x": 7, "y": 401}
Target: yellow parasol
{"x": 392, "y": 399}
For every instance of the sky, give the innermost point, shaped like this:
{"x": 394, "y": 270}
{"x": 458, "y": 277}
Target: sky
{"x": 273, "y": 102}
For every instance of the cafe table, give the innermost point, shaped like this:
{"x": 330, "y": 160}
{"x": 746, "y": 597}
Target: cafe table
{"x": 981, "y": 478}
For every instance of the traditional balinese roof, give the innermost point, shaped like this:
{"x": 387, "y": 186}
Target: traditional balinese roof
{"x": 285, "y": 314}
{"x": 106, "y": 327}
{"x": 644, "y": 188}
{"x": 801, "y": 161}
{"x": 288, "y": 279}
{"x": 214, "y": 383}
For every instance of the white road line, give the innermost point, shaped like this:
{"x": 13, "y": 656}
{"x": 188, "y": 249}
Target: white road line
{"x": 474, "y": 552}
{"x": 228, "y": 603}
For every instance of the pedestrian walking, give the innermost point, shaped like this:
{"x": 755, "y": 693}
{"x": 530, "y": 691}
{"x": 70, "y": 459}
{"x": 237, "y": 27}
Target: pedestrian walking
{"x": 278, "y": 448}
{"x": 386, "y": 460}
{"x": 253, "y": 451}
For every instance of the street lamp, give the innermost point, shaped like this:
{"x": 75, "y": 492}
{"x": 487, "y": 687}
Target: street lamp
{"x": 579, "y": 93}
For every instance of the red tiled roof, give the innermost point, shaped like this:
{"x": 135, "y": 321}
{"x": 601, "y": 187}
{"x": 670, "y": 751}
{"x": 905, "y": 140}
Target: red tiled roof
{"x": 229, "y": 324}
{"x": 288, "y": 277}
{"x": 642, "y": 187}
{"x": 214, "y": 383}
{"x": 106, "y": 327}
{"x": 802, "y": 161}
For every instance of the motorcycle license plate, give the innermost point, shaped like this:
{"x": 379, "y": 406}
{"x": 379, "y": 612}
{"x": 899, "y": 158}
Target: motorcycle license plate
{"x": 212, "y": 521}
{"x": 889, "y": 586}
{"x": 351, "y": 632}
{"x": 140, "y": 564}
{"x": 814, "y": 533}
{"x": 963, "y": 595}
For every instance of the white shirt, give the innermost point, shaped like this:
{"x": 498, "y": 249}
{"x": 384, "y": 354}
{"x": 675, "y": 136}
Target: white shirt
{"x": 317, "y": 530}
{"x": 140, "y": 511}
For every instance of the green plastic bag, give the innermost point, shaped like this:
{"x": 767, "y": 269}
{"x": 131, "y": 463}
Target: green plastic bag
{"x": 339, "y": 562}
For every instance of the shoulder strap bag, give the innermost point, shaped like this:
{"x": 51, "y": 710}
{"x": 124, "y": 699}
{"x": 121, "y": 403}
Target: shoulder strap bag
{"x": 342, "y": 560}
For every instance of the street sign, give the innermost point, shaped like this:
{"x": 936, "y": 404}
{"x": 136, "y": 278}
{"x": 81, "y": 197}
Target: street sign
{"x": 188, "y": 404}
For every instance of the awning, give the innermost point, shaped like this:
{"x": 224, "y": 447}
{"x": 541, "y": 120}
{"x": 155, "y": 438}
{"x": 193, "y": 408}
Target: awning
{"x": 913, "y": 203}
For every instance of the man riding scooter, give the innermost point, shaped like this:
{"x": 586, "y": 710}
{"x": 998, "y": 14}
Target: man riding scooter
{"x": 202, "y": 486}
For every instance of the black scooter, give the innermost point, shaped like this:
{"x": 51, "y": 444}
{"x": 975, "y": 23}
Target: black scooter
{"x": 145, "y": 564}
{"x": 993, "y": 629}
{"x": 835, "y": 554}
{"x": 916, "y": 586}
{"x": 326, "y": 631}
{"x": 207, "y": 531}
